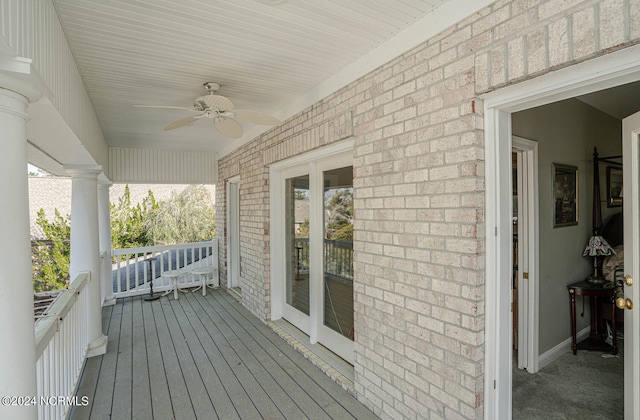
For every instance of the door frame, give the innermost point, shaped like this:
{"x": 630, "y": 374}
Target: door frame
{"x": 528, "y": 246}
{"x": 277, "y": 220}
{"x": 342, "y": 346}
{"x": 233, "y": 232}
{"x": 631, "y": 168}
{"x": 607, "y": 71}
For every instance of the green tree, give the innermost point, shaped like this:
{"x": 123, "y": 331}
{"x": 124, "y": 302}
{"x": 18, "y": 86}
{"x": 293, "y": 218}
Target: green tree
{"x": 339, "y": 213}
{"x": 345, "y": 233}
{"x": 51, "y": 257}
{"x": 303, "y": 230}
{"x": 127, "y": 230}
{"x": 186, "y": 217}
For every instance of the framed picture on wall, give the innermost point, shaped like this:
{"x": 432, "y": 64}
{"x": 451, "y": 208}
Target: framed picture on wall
{"x": 614, "y": 186}
{"x": 565, "y": 190}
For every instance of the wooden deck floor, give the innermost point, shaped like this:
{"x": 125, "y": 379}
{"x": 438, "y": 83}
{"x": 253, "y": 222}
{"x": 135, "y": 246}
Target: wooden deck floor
{"x": 203, "y": 358}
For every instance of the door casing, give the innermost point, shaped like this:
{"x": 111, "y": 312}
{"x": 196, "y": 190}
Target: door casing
{"x": 631, "y": 193}
{"x": 607, "y": 71}
{"x": 528, "y": 240}
{"x": 233, "y": 232}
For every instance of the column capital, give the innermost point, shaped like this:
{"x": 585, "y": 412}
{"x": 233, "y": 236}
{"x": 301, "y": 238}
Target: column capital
{"x": 83, "y": 171}
{"x": 13, "y": 103}
{"x": 16, "y": 75}
{"x": 104, "y": 185}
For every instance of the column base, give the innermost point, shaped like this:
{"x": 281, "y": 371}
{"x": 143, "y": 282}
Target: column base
{"x": 97, "y": 347}
{"x": 110, "y": 301}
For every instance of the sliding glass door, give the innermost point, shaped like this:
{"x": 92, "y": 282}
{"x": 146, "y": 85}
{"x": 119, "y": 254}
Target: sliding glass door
{"x": 312, "y": 249}
{"x": 337, "y": 255}
{"x": 297, "y": 242}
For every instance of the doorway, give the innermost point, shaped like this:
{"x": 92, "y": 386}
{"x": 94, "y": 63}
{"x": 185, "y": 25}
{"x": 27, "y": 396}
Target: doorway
{"x": 233, "y": 234}
{"x": 525, "y": 281}
{"x": 312, "y": 246}
{"x": 597, "y": 74}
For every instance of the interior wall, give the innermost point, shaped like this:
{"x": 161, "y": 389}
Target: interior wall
{"x": 566, "y": 133}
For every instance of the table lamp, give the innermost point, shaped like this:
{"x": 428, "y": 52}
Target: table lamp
{"x": 597, "y": 247}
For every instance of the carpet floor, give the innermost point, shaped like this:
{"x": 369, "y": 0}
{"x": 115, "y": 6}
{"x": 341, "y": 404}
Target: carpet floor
{"x": 584, "y": 386}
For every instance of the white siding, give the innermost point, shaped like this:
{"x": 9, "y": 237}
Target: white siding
{"x": 31, "y": 29}
{"x": 162, "y": 166}
{"x": 54, "y": 63}
{"x": 14, "y": 15}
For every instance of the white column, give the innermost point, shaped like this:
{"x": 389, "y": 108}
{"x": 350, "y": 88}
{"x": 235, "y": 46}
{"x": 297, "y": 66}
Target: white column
{"x": 17, "y": 351}
{"x": 85, "y": 246}
{"x": 104, "y": 216}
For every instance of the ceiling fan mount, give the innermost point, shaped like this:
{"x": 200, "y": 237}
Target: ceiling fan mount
{"x": 211, "y": 87}
{"x": 221, "y": 110}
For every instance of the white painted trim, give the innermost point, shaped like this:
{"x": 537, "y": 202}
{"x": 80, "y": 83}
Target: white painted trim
{"x": 599, "y": 73}
{"x": 233, "y": 253}
{"x": 529, "y": 240}
{"x": 561, "y": 349}
{"x": 316, "y": 309}
{"x": 449, "y": 13}
{"x": 338, "y": 343}
{"x": 498, "y": 328}
{"x": 317, "y": 154}
{"x": 631, "y": 186}
{"x": 312, "y": 163}
{"x": 293, "y": 315}
{"x": 276, "y": 237}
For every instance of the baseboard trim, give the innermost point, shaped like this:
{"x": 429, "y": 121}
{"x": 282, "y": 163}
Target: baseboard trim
{"x": 554, "y": 353}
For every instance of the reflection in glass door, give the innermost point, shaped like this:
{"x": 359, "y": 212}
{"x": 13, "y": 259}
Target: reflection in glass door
{"x": 297, "y": 242}
{"x": 338, "y": 250}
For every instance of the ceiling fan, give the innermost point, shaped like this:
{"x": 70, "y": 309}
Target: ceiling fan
{"x": 219, "y": 109}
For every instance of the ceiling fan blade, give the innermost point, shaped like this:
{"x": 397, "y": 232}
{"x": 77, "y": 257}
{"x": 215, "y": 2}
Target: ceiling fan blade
{"x": 256, "y": 117}
{"x": 181, "y": 123}
{"x": 228, "y": 127}
{"x": 219, "y": 102}
{"x": 163, "y": 107}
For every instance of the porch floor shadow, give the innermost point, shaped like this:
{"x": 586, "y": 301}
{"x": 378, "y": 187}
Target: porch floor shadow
{"x": 203, "y": 358}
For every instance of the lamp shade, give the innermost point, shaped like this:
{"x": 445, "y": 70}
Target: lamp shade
{"x": 598, "y": 246}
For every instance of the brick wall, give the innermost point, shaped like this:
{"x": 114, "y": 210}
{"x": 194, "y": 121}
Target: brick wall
{"x": 418, "y": 187}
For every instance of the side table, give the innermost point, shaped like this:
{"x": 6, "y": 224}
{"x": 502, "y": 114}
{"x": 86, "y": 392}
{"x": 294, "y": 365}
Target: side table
{"x": 595, "y": 292}
{"x": 174, "y": 276}
{"x": 204, "y": 273}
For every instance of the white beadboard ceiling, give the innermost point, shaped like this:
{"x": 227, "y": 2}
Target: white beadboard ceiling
{"x": 266, "y": 57}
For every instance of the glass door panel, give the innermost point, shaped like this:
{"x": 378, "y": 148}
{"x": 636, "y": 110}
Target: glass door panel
{"x": 338, "y": 250}
{"x": 297, "y": 242}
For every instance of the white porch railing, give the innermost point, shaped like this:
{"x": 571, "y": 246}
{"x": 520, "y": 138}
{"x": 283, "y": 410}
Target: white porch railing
{"x": 62, "y": 340}
{"x": 135, "y": 267}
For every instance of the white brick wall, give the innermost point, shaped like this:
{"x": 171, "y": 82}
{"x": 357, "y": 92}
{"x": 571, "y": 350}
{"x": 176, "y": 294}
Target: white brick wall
{"x": 418, "y": 187}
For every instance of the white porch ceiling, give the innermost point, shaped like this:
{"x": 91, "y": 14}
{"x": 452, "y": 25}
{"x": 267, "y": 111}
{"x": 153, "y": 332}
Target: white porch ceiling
{"x": 266, "y": 57}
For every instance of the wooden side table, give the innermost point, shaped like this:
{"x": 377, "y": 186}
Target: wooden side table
{"x": 595, "y": 292}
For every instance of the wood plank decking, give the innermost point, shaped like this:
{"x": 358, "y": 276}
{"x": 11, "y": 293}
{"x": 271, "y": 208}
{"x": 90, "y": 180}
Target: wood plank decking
{"x": 203, "y": 358}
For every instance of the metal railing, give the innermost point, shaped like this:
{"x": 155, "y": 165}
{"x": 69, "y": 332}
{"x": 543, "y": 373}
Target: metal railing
{"x": 62, "y": 340}
{"x": 134, "y": 268}
{"x": 338, "y": 257}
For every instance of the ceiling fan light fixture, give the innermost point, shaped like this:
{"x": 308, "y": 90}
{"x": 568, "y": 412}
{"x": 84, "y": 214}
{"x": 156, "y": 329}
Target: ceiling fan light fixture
{"x": 221, "y": 110}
